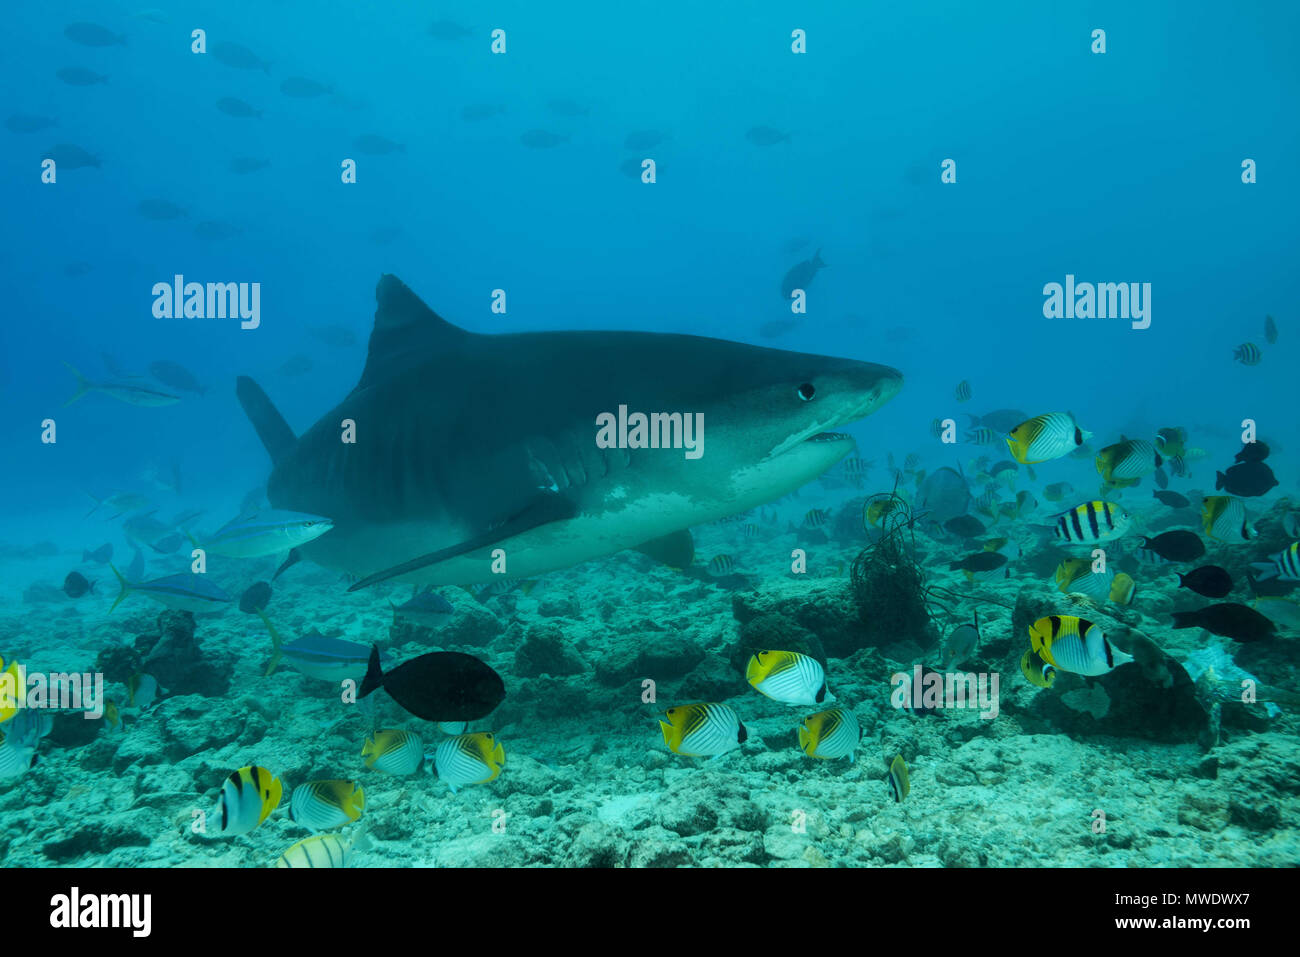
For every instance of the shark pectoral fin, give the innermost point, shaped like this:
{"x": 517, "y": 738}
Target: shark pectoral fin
{"x": 676, "y": 549}
{"x": 267, "y": 421}
{"x": 543, "y": 511}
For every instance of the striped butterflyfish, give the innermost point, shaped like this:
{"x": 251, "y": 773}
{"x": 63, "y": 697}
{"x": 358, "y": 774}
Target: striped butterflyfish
{"x": 899, "y": 780}
{"x": 468, "y": 759}
{"x": 1046, "y": 437}
{"x": 1036, "y": 670}
{"x": 702, "y": 730}
{"x": 1224, "y": 519}
{"x": 247, "y": 799}
{"x": 1076, "y": 575}
{"x": 830, "y": 734}
{"x": 322, "y": 805}
{"x": 788, "y": 677}
{"x": 1127, "y": 461}
{"x": 1076, "y": 645}
{"x": 323, "y": 850}
{"x": 1092, "y": 522}
{"x": 393, "y": 751}
{"x": 1122, "y": 588}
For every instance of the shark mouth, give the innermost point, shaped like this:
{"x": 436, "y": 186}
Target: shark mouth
{"x": 809, "y": 436}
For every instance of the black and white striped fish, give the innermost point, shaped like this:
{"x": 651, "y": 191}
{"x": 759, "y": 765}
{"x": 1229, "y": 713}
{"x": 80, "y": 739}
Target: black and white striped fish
{"x": 1284, "y": 566}
{"x": 1092, "y": 522}
{"x": 1248, "y": 354}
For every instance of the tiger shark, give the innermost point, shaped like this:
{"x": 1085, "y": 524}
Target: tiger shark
{"x": 474, "y": 455}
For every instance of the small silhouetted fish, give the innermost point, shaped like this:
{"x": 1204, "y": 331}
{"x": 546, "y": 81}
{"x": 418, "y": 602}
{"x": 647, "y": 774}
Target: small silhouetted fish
{"x": 633, "y": 167}
{"x": 777, "y": 327}
{"x": 1173, "y": 499}
{"x": 303, "y": 88}
{"x": 1248, "y": 479}
{"x": 168, "y": 543}
{"x": 76, "y": 585}
{"x": 1270, "y": 330}
{"x": 377, "y": 145}
{"x": 80, "y": 76}
{"x": 215, "y": 229}
{"x": 78, "y": 268}
{"x": 1252, "y": 452}
{"x": 967, "y": 526}
{"x": 136, "y": 568}
{"x": 70, "y": 156}
{"x": 100, "y": 555}
{"x": 644, "y": 140}
{"x": 766, "y": 136}
{"x": 979, "y": 562}
{"x": 448, "y": 30}
{"x": 296, "y": 365}
{"x": 1179, "y": 545}
{"x": 800, "y": 275}
{"x": 1162, "y": 478}
{"x": 29, "y": 123}
{"x": 439, "y": 686}
{"x": 1208, "y": 580}
{"x": 426, "y": 608}
{"x": 159, "y": 209}
{"x": 233, "y": 107}
{"x": 93, "y": 35}
{"x": 238, "y": 56}
{"x": 542, "y": 139}
{"x": 475, "y": 112}
{"x": 338, "y": 336}
{"x": 566, "y": 107}
{"x": 175, "y": 375}
{"x": 248, "y": 164}
{"x": 255, "y": 598}
{"x": 1229, "y": 619}
{"x": 383, "y": 235}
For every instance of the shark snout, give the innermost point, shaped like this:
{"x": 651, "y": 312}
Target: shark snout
{"x": 876, "y": 384}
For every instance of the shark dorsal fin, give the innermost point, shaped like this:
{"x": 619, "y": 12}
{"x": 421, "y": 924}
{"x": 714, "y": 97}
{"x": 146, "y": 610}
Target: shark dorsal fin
{"x": 406, "y": 332}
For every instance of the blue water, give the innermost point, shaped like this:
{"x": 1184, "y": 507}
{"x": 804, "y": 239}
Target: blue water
{"x": 1115, "y": 167}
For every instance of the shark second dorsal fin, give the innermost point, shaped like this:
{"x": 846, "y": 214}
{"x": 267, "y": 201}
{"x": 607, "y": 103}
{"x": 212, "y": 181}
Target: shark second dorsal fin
{"x": 406, "y": 332}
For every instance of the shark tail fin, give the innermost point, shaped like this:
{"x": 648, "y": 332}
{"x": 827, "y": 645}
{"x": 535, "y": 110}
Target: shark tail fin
{"x": 274, "y": 432}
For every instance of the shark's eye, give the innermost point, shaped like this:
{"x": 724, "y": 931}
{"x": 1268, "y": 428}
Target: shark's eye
{"x": 806, "y": 392}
